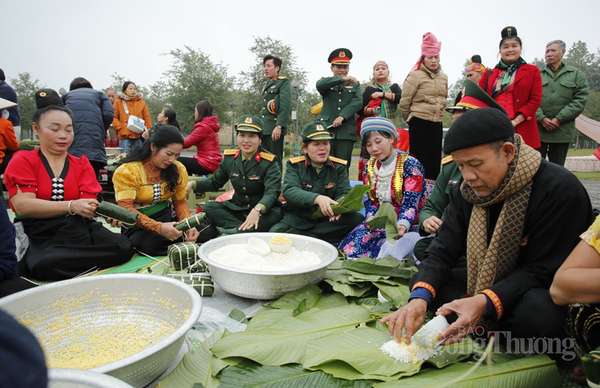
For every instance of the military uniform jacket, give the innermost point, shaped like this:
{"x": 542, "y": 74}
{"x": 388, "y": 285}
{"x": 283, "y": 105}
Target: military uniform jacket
{"x": 437, "y": 202}
{"x": 279, "y": 90}
{"x": 302, "y": 184}
{"x": 340, "y": 100}
{"x": 256, "y": 180}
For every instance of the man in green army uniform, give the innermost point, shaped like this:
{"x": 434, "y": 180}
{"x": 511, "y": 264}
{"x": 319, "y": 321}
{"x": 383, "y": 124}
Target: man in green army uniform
{"x": 316, "y": 180}
{"x": 430, "y": 217}
{"x": 277, "y": 106}
{"x": 256, "y": 178}
{"x": 342, "y": 99}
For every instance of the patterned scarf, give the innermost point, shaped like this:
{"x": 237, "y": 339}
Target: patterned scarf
{"x": 507, "y": 75}
{"x": 385, "y": 107}
{"x": 487, "y": 263}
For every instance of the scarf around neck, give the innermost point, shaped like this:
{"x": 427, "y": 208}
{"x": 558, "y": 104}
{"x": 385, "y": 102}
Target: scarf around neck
{"x": 489, "y": 261}
{"x": 508, "y": 74}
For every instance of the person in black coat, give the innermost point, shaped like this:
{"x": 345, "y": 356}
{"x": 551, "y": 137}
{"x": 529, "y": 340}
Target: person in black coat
{"x": 92, "y": 116}
{"x": 516, "y": 218}
{"x": 8, "y": 93}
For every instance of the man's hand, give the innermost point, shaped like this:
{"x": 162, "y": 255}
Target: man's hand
{"x": 432, "y": 224}
{"x": 469, "y": 311}
{"x": 404, "y": 322}
{"x": 349, "y": 80}
{"x": 337, "y": 122}
{"x": 324, "y": 203}
{"x": 276, "y": 133}
{"x": 555, "y": 122}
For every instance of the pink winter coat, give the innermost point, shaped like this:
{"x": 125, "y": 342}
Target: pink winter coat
{"x": 205, "y": 137}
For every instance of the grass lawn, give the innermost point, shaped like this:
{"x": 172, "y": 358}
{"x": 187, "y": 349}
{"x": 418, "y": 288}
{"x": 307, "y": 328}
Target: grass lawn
{"x": 581, "y": 152}
{"x": 591, "y": 175}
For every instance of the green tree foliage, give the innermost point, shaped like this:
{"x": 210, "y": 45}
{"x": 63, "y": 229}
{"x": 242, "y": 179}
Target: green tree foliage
{"x": 194, "y": 77}
{"x": 25, "y": 86}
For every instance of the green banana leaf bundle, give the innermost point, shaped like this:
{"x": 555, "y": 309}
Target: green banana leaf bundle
{"x": 182, "y": 255}
{"x": 190, "y": 222}
{"x": 201, "y": 282}
{"x": 351, "y": 202}
{"x": 110, "y": 210}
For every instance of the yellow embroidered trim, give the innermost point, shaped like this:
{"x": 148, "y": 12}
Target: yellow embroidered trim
{"x": 397, "y": 180}
{"x": 297, "y": 159}
{"x": 338, "y": 160}
{"x": 267, "y": 156}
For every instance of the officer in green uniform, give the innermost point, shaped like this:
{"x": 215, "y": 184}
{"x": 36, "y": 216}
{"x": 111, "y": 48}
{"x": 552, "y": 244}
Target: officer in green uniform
{"x": 316, "y": 180}
{"x": 256, "y": 178}
{"x": 430, "y": 217}
{"x": 342, "y": 99}
{"x": 277, "y": 106}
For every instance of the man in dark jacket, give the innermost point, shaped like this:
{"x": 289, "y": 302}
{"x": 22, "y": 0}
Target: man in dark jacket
{"x": 92, "y": 115}
{"x": 516, "y": 218}
{"x": 8, "y": 93}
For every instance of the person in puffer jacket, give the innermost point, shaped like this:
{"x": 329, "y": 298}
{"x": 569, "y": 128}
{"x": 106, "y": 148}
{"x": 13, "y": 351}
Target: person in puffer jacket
{"x": 92, "y": 116}
{"x": 205, "y": 137}
{"x": 130, "y": 103}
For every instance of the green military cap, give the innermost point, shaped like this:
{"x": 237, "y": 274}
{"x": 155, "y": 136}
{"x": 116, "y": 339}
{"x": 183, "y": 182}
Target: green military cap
{"x": 248, "y": 123}
{"x": 314, "y": 131}
{"x": 340, "y": 56}
{"x": 473, "y": 97}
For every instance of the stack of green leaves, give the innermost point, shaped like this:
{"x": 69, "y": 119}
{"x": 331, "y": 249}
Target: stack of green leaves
{"x": 351, "y": 202}
{"x": 362, "y": 278}
{"x": 327, "y": 334}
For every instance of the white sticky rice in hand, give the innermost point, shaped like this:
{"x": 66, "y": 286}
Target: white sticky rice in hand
{"x": 248, "y": 257}
{"x": 406, "y": 353}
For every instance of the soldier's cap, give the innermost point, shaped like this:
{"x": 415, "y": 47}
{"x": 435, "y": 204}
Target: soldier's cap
{"x": 315, "y": 131}
{"x": 47, "y": 97}
{"x": 474, "y": 97}
{"x": 253, "y": 124}
{"x": 508, "y": 32}
{"x": 340, "y": 56}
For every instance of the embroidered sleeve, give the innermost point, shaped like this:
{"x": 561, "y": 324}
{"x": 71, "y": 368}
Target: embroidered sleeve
{"x": 182, "y": 210}
{"x": 126, "y": 182}
{"x": 412, "y": 192}
{"x": 592, "y": 235}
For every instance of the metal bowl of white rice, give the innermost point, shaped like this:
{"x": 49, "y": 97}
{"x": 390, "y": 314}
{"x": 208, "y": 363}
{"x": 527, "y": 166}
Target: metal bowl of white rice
{"x": 128, "y": 326}
{"x": 233, "y": 271}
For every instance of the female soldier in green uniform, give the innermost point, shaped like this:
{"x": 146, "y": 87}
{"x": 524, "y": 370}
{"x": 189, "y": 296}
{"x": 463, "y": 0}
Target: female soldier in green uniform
{"x": 256, "y": 178}
{"x": 316, "y": 179}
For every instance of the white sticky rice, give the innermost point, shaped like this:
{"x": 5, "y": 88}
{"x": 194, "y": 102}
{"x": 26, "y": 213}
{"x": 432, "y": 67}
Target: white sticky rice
{"x": 239, "y": 256}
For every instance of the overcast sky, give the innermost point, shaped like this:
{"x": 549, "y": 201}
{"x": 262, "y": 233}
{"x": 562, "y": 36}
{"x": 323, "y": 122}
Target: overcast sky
{"x": 58, "y": 40}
